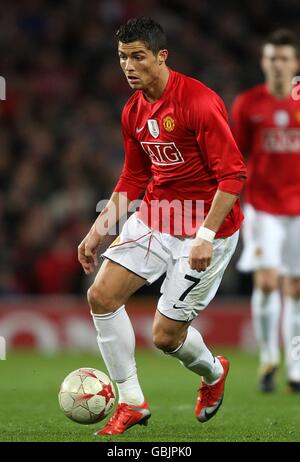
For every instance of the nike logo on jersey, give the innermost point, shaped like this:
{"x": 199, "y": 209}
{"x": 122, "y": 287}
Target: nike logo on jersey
{"x": 257, "y": 118}
{"x": 138, "y": 130}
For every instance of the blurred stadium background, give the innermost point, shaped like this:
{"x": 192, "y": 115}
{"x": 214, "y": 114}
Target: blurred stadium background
{"x": 60, "y": 153}
{"x": 61, "y": 150}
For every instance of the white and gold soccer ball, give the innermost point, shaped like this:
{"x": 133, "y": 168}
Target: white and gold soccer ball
{"x": 86, "y": 395}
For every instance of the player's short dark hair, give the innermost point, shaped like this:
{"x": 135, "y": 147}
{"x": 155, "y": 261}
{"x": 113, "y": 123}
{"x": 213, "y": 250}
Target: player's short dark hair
{"x": 144, "y": 30}
{"x": 281, "y": 37}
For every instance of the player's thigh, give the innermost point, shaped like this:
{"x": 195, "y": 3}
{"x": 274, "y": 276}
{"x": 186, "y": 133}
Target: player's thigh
{"x": 138, "y": 249}
{"x": 185, "y": 292}
{"x": 112, "y": 287}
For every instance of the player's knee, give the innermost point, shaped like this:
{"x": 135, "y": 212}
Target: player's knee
{"x": 296, "y": 287}
{"x": 165, "y": 342}
{"x": 269, "y": 286}
{"x": 297, "y": 293}
{"x": 293, "y": 293}
{"x": 100, "y": 301}
{"x": 291, "y": 288}
{"x": 267, "y": 281}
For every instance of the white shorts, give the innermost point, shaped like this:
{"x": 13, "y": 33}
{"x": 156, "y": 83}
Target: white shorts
{"x": 150, "y": 254}
{"x": 270, "y": 241}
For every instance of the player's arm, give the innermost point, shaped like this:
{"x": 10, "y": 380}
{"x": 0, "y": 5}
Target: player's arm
{"x": 115, "y": 209}
{"x": 224, "y": 158}
{"x": 202, "y": 249}
{"x": 132, "y": 183}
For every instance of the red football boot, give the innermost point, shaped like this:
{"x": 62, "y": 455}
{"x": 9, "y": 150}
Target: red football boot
{"x": 211, "y": 396}
{"x": 125, "y": 416}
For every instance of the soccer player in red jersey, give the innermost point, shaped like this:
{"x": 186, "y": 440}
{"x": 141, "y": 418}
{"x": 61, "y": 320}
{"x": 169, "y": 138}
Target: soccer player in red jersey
{"x": 178, "y": 149}
{"x": 266, "y": 126}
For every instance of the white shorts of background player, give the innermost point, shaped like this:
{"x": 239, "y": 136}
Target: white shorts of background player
{"x": 270, "y": 241}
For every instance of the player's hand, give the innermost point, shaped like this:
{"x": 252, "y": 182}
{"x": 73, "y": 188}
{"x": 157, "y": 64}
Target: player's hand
{"x": 200, "y": 254}
{"x": 87, "y": 251}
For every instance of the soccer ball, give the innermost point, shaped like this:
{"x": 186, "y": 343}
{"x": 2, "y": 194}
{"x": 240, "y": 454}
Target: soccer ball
{"x": 86, "y": 395}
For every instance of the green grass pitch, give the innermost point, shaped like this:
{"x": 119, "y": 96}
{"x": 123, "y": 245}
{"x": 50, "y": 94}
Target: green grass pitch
{"x": 29, "y": 406}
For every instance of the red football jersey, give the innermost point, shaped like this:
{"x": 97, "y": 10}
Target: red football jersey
{"x": 267, "y": 131}
{"x": 180, "y": 148}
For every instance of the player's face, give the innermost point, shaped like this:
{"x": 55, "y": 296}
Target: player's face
{"x": 279, "y": 63}
{"x": 140, "y": 66}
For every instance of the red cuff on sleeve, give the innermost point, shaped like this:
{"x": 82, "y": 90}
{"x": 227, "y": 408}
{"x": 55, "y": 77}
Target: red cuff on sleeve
{"x": 232, "y": 186}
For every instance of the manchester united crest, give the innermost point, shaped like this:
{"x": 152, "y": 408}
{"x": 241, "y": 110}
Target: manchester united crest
{"x": 169, "y": 123}
{"x": 297, "y": 116}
